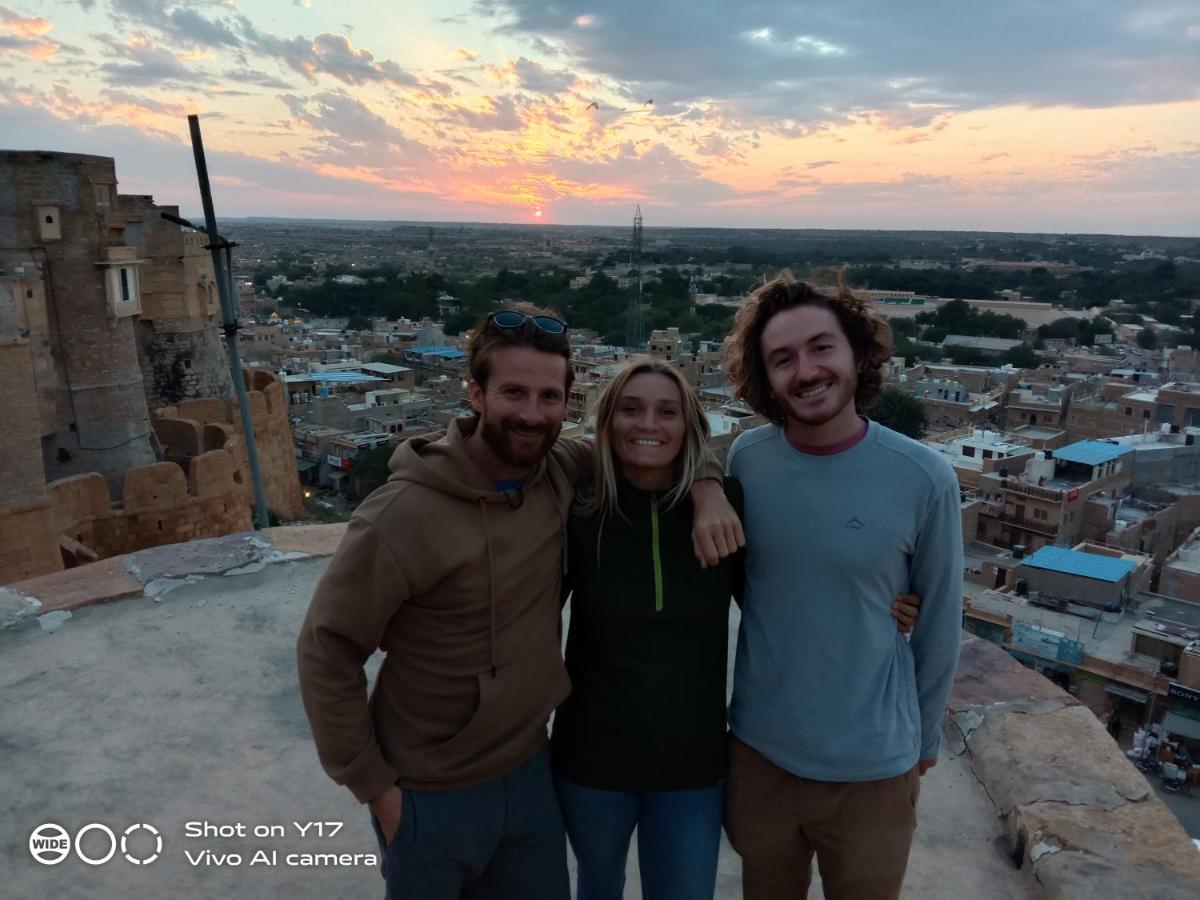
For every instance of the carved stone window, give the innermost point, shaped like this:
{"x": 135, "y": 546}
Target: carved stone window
{"x": 49, "y": 223}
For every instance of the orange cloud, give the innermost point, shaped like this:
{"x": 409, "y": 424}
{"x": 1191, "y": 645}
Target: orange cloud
{"x": 27, "y": 26}
{"x": 27, "y": 34}
{"x": 372, "y": 176}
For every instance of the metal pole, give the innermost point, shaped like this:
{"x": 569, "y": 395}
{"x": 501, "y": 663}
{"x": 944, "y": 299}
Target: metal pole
{"x": 229, "y": 316}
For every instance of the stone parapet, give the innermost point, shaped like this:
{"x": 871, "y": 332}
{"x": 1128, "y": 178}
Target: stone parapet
{"x": 200, "y": 492}
{"x": 28, "y": 541}
{"x": 154, "y": 571}
{"x": 1082, "y": 820}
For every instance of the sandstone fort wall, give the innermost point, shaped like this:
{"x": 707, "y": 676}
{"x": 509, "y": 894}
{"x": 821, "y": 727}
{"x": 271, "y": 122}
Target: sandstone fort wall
{"x": 272, "y": 435}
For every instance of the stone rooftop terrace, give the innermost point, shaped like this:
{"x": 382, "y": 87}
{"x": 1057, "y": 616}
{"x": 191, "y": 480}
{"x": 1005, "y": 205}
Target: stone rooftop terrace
{"x": 178, "y": 703}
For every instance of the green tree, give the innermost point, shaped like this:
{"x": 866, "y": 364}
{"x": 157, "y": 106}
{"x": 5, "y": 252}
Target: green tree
{"x": 900, "y": 411}
{"x": 358, "y": 323}
{"x": 1084, "y": 331}
{"x": 1147, "y": 339}
{"x": 966, "y": 356}
{"x": 959, "y": 317}
{"x": 1022, "y": 357}
{"x": 323, "y": 512}
{"x": 912, "y": 352}
{"x": 459, "y": 322}
{"x": 904, "y": 328}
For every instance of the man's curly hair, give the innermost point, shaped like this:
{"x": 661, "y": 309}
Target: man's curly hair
{"x": 868, "y": 333}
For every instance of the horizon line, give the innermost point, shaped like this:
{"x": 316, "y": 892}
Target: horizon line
{"x": 775, "y": 228}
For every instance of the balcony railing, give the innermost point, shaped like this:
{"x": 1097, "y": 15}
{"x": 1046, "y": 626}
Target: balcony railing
{"x": 1032, "y": 490}
{"x": 1049, "y": 529}
{"x": 1006, "y": 517}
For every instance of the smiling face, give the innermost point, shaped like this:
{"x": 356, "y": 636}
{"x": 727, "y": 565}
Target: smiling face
{"x": 520, "y": 410}
{"x": 812, "y": 373}
{"x": 647, "y": 430}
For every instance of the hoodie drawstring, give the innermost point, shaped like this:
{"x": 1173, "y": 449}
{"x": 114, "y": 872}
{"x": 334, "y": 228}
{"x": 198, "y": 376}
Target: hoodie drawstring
{"x": 487, "y": 539}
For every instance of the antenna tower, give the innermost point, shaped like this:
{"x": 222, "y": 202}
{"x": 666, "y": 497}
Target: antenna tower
{"x": 634, "y": 331}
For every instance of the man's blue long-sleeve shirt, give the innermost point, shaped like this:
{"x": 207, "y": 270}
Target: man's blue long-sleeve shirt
{"x": 825, "y": 686}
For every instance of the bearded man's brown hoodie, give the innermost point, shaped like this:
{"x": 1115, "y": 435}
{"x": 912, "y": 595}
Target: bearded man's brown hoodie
{"x": 459, "y": 584}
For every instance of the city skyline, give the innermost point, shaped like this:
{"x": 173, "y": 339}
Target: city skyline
{"x": 1080, "y": 118}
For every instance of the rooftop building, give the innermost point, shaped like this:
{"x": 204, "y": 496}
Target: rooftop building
{"x": 385, "y": 370}
{"x": 1082, "y": 616}
{"x": 949, "y": 404}
{"x": 1092, "y": 454}
{"x": 1040, "y": 437}
{"x": 1180, "y": 576}
{"x": 1036, "y": 404}
{"x": 1045, "y": 498}
{"x": 1112, "y": 569}
{"x": 987, "y": 345}
{"x": 972, "y": 451}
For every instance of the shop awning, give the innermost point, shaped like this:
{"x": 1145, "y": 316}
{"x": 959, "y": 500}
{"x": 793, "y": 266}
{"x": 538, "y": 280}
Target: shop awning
{"x": 303, "y": 465}
{"x": 1127, "y": 692}
{"x": 1173, "y": 723}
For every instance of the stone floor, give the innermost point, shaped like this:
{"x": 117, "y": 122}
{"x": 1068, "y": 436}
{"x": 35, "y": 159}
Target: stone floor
{"x": 182, "y": 707}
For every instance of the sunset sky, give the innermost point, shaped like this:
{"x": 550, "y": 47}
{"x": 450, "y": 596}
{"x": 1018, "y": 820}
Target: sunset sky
{"x": 1017, "y": 115}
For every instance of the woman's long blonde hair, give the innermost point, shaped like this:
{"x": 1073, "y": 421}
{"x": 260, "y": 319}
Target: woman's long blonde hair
{"x": 601, "y": 498}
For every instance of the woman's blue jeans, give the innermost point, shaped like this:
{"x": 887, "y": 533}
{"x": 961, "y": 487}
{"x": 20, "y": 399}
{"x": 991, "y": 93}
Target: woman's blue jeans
{"x": 679, "y": 838}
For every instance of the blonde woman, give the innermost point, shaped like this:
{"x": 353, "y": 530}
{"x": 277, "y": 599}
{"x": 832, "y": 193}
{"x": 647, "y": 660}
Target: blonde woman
{"x": 641, "y": 741}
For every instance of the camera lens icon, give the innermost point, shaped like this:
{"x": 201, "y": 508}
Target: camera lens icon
{"x": 141, "y": 861}
{"x": 50, "y": 844}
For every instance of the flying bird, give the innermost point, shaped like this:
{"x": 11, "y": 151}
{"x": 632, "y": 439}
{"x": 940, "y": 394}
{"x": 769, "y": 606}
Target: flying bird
{"x": 612, "y": 114}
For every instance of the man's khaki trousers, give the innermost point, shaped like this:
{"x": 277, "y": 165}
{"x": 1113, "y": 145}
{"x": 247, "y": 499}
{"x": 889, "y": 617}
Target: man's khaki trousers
{"x": 861, "y": 832}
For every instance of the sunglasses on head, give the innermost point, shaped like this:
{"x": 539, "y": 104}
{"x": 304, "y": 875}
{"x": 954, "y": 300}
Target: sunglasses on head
{"x": 510, "y": 319}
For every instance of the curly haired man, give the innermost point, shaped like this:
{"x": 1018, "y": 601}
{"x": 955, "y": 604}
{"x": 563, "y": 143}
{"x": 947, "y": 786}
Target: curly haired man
{"x": 835, "y": 715}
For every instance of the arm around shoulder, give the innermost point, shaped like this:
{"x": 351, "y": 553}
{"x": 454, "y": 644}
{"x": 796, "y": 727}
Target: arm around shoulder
{"x": 716, "y": 527}
{"x": 577, "y": 458}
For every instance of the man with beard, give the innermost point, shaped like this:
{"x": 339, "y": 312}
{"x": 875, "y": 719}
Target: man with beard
{"x": 453, "y": 568}
{"x": 835, "y": 716}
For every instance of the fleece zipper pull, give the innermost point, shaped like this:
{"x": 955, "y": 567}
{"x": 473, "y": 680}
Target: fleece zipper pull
{"x": 656, "y": 555}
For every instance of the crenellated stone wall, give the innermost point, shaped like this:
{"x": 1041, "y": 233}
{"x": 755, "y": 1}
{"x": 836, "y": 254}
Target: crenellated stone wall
{"x": 272, "y": 436}
{"x": 199, "y": 493}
